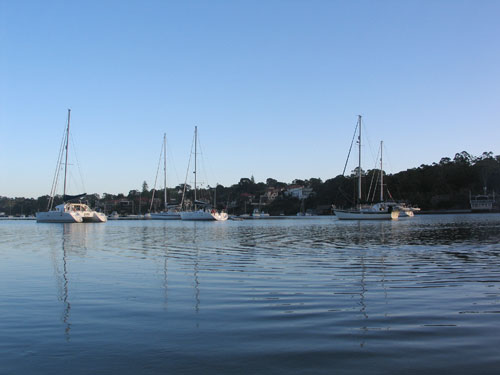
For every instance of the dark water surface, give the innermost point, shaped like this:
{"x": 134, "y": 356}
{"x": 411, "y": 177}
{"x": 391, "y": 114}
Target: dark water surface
{"x": 312, "y": 296}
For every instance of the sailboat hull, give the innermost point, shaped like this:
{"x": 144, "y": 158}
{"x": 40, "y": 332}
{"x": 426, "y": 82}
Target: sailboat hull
{"x": 58, "y": 217}
{"x": 166, "y": 216}
{"x": 71, "y": 213}
{"x": 365, "y": 215}
{"x": 94, "y": 217}
{"x": 204, "y": 216}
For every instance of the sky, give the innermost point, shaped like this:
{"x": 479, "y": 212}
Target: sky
{"x": 274, "y": 87}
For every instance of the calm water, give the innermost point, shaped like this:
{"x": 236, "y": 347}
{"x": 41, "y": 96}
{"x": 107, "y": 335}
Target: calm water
{"x": 255, "y": 297}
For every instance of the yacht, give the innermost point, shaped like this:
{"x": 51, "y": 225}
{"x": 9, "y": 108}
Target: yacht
{"x": 71, "y": 213}
{"x": 168, "y": 213}
{"x": 204, "y": 213}
{"x": 378, "y": 211}
{"x": 68, "y": 212}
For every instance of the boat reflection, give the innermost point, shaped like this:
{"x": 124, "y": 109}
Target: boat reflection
{"x": 67, "y": 239}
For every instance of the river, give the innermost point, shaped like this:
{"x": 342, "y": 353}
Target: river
{"x": 289, "y": 296}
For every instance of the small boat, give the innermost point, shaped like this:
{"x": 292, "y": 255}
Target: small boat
{"x": 114, "y": 216}
{"x": 378, "y": 211}
{"x": 257, "y": 214}
{"x": 205, "y": 213}
{"x": 68, "y": 212}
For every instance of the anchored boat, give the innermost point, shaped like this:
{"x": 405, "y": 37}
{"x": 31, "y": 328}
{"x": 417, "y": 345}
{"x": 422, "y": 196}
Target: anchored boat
{"x": 202, "y": 211}
{"x": 68, "y": 212}
{"x": 378, "y": 211}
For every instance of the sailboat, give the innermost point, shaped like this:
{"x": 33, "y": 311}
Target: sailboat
{"x": 167, "y": 213}
{"x": 378, "y": 211}
{"x": 68, "y": 212}
{"x": 204, "y": 213}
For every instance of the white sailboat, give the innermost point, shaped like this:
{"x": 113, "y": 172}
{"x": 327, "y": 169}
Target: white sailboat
{"x": 378, "y": 211}
{"x": 68, "y": 212}
{"x": 204, "y": 213}
{"x": 167, "y": 213}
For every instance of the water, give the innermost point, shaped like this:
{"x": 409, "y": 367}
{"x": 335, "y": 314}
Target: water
{"x": 314, "y": 296}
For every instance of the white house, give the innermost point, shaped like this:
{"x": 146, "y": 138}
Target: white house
{"x": 298, "y": 191}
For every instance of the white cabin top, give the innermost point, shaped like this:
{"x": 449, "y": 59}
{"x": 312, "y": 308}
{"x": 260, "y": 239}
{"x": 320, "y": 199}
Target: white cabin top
{"x": 76, "y": 207}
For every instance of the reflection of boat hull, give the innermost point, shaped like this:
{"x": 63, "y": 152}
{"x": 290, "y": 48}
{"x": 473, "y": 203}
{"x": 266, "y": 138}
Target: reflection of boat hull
{"x": 166, "y": 216}
{"x": 204, "y": 216}
{"x": 366, "y": 215}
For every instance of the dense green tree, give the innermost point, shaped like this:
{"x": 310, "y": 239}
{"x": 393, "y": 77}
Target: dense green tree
{"x": 442, "y": 185}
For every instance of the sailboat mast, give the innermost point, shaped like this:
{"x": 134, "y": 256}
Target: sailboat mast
{"x": 195, "y": 153}
{"x": 359, "y": 166}
{"x": 165, "y": 169}
{"x": 66, "y": 161}
{"x": 381, "y": 174}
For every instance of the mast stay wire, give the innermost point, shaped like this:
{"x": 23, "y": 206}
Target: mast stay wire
{"x": 156, "y": 179}
{"x": 187, "y": 172}
{"x": 350, "y": 148}
{"x": 367, "y": 137}
{"x": 170, "y": 156}
{"x": 387, "y": 157}
{"x": 77, "y": 162}
{"x": 372, "y": 199}
{"x": 345, "y": 165}
{"x": 203, "y": 162}
{"x": 56, "y": 172}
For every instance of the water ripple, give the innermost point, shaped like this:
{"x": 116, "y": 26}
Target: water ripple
{"x": 283, "y": 296}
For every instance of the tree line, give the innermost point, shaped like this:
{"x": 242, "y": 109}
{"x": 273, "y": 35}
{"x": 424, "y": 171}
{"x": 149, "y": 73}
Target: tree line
{"x": 446, "y": 184}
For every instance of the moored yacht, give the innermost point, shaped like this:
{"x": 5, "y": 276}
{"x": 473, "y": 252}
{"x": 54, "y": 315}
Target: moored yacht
{"x": 378, "y": 211}
{"x": 169, "y": 213}
{"x": 68, "y": 212}
{"x": 71, "y": 213}
{"x": 205, "y": 213}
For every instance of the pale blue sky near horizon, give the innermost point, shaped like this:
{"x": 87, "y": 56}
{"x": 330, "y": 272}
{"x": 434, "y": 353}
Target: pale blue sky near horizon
{"x": 274, "y": 87}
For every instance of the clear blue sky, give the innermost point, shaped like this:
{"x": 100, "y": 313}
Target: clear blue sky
{"x": 274, "y": 87}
